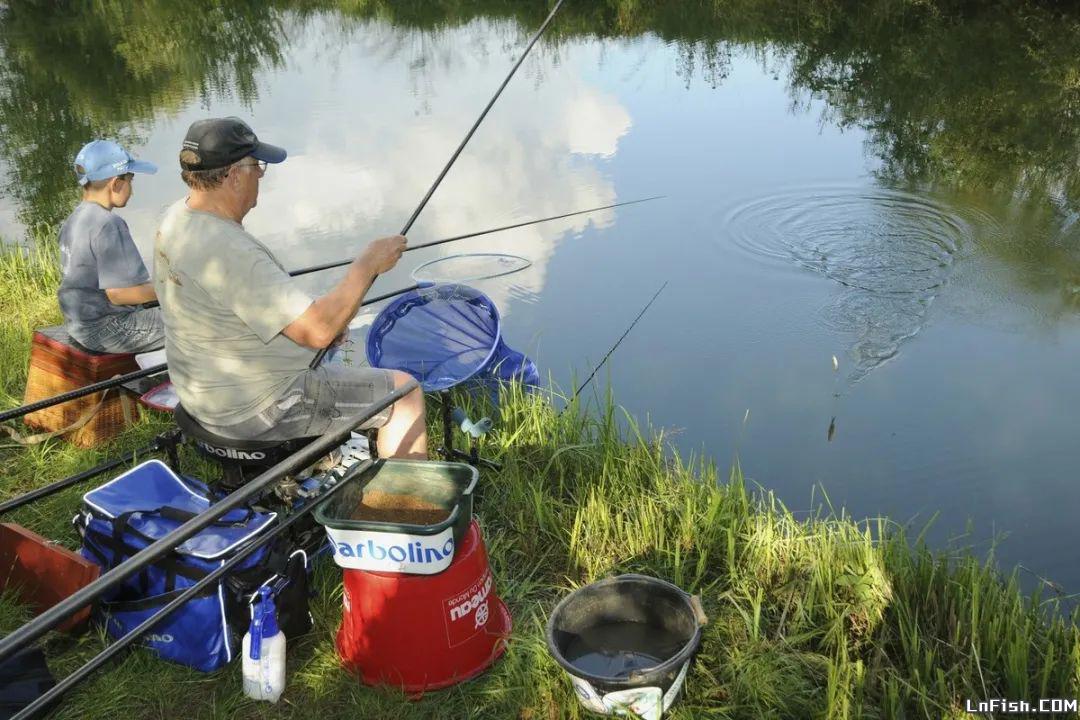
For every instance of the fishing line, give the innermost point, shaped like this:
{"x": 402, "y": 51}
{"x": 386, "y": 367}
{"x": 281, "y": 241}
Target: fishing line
{"x": 615, "y": 346}
{"x": 468, "y": 267}
{"x": 831, "y": 433}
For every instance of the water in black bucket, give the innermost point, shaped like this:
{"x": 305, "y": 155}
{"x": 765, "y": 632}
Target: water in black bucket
{"x": 626, "y": 642}
{"x": 620, "y": 648}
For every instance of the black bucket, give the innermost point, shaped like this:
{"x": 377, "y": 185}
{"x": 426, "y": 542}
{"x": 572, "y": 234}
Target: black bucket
{"x": 626, "y": 642}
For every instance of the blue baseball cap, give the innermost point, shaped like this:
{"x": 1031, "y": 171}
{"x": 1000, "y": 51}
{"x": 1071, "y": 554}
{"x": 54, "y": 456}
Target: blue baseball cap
{"x": 104, "y": 159}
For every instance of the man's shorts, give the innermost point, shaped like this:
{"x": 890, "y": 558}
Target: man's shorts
{"x": 139, "y": 331}
{"x": 316, "y": 402}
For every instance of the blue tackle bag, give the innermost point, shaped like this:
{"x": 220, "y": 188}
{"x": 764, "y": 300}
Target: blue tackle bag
{"x": 127, "y": 514}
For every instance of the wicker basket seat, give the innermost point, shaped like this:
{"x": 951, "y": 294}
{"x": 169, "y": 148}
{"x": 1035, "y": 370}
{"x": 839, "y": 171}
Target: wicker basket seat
{"x": 58, "y": 364}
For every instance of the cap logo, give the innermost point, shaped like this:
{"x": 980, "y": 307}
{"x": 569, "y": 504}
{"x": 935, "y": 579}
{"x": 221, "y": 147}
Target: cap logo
{"x": 191, "y": 144}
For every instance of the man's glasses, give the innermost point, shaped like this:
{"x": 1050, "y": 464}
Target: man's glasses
{"x": 260, "y": 164}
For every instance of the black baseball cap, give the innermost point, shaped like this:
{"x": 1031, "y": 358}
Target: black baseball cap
{"x": 218, "y": 142}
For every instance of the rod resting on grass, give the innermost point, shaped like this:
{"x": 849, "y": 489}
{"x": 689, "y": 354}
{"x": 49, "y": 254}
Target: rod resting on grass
{"x": 147, "y": 625}
{"x": 302, "y": 458}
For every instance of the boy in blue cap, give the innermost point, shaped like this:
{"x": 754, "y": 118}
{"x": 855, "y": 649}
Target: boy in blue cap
{"x": 104, "y": 278}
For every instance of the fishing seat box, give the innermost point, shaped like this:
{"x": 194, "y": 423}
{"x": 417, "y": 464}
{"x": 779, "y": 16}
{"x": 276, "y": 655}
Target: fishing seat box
{"x": 58, "y": 364}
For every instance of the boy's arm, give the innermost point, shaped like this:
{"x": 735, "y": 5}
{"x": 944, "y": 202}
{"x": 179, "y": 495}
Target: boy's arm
{"x": 121, "y": 272}
{"x": 135, "y": 295}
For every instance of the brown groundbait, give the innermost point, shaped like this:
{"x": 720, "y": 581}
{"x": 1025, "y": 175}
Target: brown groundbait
{"x": 382, "y": 506}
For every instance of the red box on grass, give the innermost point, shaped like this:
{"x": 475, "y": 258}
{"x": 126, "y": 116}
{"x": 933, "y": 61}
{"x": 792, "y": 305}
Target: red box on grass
{"x": 43, "y": 573}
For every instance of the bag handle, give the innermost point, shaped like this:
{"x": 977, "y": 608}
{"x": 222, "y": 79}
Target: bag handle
{"x": 180, "y": 515}
{"x": 122, "y": 522}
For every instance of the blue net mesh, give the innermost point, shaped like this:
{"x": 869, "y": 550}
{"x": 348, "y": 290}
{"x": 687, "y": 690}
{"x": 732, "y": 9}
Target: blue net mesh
{"x": 443, "y": 336}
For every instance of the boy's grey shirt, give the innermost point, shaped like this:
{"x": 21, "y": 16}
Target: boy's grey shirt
{"x": 96, "y": 252}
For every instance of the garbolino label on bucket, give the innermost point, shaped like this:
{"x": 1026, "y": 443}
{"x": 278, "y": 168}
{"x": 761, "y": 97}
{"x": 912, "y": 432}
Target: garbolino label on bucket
{"x": 392, "y": 552}
{"x": 647, "y": 703}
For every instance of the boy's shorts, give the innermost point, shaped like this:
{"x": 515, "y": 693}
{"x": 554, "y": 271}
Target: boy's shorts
{"x": 139, "y": 331}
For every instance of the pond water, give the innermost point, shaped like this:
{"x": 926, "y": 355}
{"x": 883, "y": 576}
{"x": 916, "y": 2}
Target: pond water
{"x": 895, "y": 189}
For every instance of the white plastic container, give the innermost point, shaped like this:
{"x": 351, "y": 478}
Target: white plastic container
{"x": 264, "y": 652}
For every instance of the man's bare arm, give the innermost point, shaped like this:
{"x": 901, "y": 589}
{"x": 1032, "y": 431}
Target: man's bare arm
{"x": 134, "y": 295}
{"x": 329, "y": 315}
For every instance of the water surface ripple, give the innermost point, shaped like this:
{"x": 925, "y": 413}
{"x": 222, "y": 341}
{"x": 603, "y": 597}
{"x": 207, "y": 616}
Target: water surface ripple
{"x": 890, "y": 252}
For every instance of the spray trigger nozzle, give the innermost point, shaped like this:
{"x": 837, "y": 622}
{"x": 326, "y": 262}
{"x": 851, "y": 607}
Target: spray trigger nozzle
{"x": 263, "y": 620}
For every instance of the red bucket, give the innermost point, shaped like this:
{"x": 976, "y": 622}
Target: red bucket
{"x": 424, "y": 632}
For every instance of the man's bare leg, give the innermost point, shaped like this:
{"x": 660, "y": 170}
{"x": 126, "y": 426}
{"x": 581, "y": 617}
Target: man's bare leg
{"x": 405, "y": 436}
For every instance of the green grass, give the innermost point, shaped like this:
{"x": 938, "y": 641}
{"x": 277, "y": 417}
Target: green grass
{"x": 29, "y": 277}
{"x": 819, "y": 618}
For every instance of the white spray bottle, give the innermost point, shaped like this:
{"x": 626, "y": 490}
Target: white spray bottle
{"x": 264, "y": 651}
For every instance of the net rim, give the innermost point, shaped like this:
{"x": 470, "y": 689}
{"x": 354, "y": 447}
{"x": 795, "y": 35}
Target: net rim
{"x": 526, "y": 264}
{"x": 379, "y": 327}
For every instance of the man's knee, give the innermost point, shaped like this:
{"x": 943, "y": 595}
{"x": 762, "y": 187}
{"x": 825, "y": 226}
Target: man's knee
{"x": 413, "y": 402}
{"x": 401, "y": 378}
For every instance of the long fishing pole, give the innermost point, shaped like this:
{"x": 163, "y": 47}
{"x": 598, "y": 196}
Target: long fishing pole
{"x": 616, "y": 345}
{"x": 468, "y": 136}
{"x": 154, "y": 370}
{"x": 145, "y": 626}
{"x": 433, "y": 243}
{"x": 304, "y": 457}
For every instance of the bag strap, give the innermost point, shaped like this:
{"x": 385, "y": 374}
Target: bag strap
{"x": 87, "y": 416}
{"x": 127, "y": 408}
{"x": 120, "y": 549}
{"x": 154, "y": 601}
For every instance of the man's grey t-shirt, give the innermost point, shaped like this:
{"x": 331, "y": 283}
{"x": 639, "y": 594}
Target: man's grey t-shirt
{"x": 225, "y": 299}
{"x": 96, "y": 252}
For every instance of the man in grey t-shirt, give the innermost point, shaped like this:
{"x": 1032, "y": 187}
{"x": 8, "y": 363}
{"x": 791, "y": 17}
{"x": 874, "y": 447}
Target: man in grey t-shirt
{"x": 104, "y": 278}
{"x": 240, "y": 332}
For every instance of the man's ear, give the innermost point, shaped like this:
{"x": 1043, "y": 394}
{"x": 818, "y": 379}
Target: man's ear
{"x": 116, "y": 184}
{"x": 233, "y": 178}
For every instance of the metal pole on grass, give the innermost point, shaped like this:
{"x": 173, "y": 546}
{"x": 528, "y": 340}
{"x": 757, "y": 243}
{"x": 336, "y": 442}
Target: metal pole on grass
{"x": 105, "y": 655}
{"x": 67, "y": 482}
{"x": 300, "y": 459}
